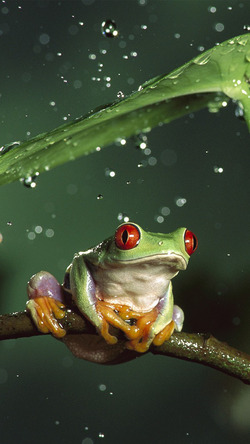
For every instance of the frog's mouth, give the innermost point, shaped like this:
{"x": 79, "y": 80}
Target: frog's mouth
{"x": 172, "y": 260}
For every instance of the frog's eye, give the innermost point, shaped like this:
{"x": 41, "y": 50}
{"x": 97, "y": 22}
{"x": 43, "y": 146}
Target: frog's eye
{"x": 127, "y": 236}
{"x": 191, "y": 242}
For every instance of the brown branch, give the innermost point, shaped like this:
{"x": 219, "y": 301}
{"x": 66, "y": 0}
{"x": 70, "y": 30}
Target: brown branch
{"x": 204, "y": 349}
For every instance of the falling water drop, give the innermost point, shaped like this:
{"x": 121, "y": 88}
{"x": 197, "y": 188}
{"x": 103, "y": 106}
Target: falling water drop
{"x": 109, "y": 28}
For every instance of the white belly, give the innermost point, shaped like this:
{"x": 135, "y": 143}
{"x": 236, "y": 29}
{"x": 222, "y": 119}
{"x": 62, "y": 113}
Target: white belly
{"x": 139, "y": 286}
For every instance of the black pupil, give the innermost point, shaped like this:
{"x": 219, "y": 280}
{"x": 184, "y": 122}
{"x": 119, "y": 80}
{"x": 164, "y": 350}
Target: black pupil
{"x": 124, "y": 236}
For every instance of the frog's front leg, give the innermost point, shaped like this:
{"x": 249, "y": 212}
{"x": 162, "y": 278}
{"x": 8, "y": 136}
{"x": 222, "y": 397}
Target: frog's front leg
{"x": 158, "y": 325}
{"x": 46, "y": 303}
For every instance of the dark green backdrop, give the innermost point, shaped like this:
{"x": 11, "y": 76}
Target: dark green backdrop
{"x": 48, "y": 74}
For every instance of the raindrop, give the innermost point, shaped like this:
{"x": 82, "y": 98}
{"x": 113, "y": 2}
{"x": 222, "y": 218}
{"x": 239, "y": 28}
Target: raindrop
{"x": 141, "y": 141}
{"x": 49, "y": 232}
{"x": 165, "y": 211}
{"x": 159, "y": 219}
{"x": 212, "y": 9}
{"x": 219, "y": 27}
{"x": 44, "y": 39}
{"x": 38, "y": 229}
{"x": 109, "y": 29}
{"x": 99, "y": 197}
{"x": 109, "y": 172}
{"x": 5, "y": 148}
{"x": 218, "y": 169}
{"x": 123, "y": 217}
{"x": 102, "y": 387}
{"x": 120, "y": 95}
{"x": 180, "y": 201}
{"x": 30, "y": 181}
{"x": 239, "y": 113}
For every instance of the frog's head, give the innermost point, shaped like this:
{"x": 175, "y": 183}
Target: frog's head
{"x": 131, "y": 244}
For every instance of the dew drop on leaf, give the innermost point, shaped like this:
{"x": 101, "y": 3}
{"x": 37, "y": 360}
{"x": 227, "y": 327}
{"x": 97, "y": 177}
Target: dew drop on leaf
{"x": 6, "y": 148}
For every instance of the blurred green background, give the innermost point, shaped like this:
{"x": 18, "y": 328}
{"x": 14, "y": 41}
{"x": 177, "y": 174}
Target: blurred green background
{"x": 55, "y": 66}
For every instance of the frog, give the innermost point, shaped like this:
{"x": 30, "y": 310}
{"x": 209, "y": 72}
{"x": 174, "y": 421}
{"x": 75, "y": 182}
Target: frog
{"x": 125, "y": 282}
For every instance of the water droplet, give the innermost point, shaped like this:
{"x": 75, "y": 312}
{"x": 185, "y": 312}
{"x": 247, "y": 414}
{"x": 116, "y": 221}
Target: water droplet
{"x": 120, "y": 95}
{"x": 152, "y": 161}
{"x": 30, "y": 181}
{"x": 109, "y": 172}
{"x": 44, "y": 39}
{"x": 102, "y": 387}
{"x": 219, "y": 27}
{"x": 101, "y": 435}
{"x": 109, "y": 29}
{"x": 38, "y": 229}
{"x": 176, "y": 73}
{"x": 123, "y": 217}
{"x": 212, "y": 9}
{"x": 202, "y": 59}
{"x": 165, "y": 211}
{"x": 180, "y": 201}
{"x": 31, "y": 235}
{"x": 218, "y": 169}
{"x": 141, "y": 141}
{"x": 49, "y": 232}
{"x": 99, "y": 197}
{"x": 123, "y": 142}
{"x": 239, "y": 113}
{"x": 159, "y": 219}
{"x": 5, "y": 148}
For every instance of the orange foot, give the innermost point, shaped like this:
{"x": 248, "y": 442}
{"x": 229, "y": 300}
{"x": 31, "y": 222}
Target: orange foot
{"x": 138, "y": 334}
{"x": 45, "y": 311}
{"x": 109, "y": 316}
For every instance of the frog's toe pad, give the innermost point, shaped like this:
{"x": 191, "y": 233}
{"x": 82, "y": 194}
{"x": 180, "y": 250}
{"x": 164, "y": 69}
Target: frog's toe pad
{"x": 45, "y": 311}
{"x": 165, "y": 334}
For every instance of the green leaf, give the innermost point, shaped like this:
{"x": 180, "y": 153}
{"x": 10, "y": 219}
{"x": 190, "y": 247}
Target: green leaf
{"x": 206, "y": 81}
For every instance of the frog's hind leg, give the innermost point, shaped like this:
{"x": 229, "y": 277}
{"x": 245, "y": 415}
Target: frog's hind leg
{"x": 46, "y": 303}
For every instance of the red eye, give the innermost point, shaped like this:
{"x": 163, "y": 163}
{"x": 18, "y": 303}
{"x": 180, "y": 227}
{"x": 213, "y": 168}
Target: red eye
{"x": 127, "y": 236}
{"x": 191, "y": 242}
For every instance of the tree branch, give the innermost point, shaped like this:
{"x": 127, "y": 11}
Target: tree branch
{"x": 201, "y": 348}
